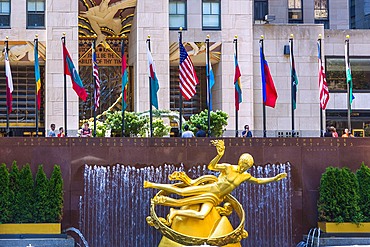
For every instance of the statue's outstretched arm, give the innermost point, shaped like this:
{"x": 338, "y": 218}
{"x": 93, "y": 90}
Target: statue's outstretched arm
{"x": 220, "y": 147}
{"x": 267, "y": 180}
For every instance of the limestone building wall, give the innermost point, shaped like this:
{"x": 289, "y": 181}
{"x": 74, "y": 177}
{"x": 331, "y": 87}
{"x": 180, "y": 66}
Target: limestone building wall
{"x": 62, "y": 16}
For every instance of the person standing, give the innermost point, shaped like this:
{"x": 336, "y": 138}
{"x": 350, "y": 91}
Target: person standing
{"x": 61, "y": 132}
{"x": 86, "y": 131}
{"x": 52, "y": 131}
{"x": 246, "y": 132}
{"x": 347, "y": 133}
{"x": 200, "y": 132}
{"x": 187, "y": 133}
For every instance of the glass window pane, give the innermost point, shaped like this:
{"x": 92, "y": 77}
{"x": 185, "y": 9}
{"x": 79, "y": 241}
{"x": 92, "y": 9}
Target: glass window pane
{"x": 5, "y": 7}
{"x": 291, "y": 4}
{"x": 40, "y": 6}
{"x": 215, "y": 8}
{"x": 210, "y": 21}
{"x": 31, "y": 6}
{"x": 295, "y": 14}
{"x": 172, "y": 8}
{"x": 181, "y": 8}
{"x": 206, "y": 8}
{"x": 177, "y": 21}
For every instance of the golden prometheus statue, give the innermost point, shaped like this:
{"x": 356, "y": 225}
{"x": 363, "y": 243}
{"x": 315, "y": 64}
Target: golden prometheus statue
{"x": 199, "y": 216}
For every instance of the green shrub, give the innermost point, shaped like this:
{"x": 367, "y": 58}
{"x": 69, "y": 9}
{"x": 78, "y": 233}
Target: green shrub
{"x": 41, "y": 195}
{"x": 55, "y": 210}
{"x": 218, "y": 122}
{"x": 160, "y": 129}
{"x": 26, "y": 189}
{"x": 339, "y": 196}
{"x": 135, "y": 125}
{"x": 4, "y": 194}
{"x": 363, "y": 177}
{"x": 15, "y": 197}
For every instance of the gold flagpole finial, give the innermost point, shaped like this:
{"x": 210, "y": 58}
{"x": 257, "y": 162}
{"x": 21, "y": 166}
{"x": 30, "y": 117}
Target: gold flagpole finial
{"x": 36, "y": 36}
{"x": 208, "y": 36}
{"x": 291, "y": 36}
{"x": 180, "y": 28}
{"x": 64, "y": 34}
{"x": 347, "y": 36}
{"x": 262, "y": 37}
{"x": 7, "y": 37}
{"x": 148, "y": 36}
{"x": 236, "y": 36}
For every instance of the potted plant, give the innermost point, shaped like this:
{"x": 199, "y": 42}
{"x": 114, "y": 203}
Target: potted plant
{"x": 338, "y": 205}
{"x": 28, "y": 205}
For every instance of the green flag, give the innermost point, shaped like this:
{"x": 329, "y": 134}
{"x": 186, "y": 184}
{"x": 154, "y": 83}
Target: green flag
{"x": 348, "y": 72}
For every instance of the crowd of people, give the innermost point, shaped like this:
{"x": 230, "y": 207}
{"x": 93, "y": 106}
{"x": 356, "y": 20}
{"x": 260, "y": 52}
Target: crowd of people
{"x": 331, "y": 131}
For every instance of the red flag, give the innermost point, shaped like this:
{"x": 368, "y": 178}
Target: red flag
{"x": 69, "y": 69}
{"x": 323, "y": 86}
{"x": 188, "y": 77}
{"x": 268, "y": 86}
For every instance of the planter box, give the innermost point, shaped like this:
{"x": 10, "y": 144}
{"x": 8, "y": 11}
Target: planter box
{"x": 332, "y": 227}
{"x": 30, "y": 228}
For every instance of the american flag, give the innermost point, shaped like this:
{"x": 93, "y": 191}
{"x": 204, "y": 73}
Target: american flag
{"x": 323, "y": 86}
{"x": 188, "y": 77}
{"x": 96, "y": 78}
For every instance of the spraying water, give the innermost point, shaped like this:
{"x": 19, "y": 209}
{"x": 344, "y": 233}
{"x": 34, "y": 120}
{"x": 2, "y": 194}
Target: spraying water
{"x": 72, "y": 229}
{"x": 115, "y": 205}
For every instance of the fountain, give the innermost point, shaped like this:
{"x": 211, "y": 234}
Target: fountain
{"x": 114, "y": 205}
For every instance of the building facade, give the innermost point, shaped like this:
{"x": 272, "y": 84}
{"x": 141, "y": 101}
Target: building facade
{"x": 230, "y": 25}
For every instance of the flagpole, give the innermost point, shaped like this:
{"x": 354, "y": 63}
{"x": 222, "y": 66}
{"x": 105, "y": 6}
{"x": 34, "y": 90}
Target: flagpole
{"x": 208, "y": 87}
{"x": 321, "y": 111}
{"x": 349, "y": 94}
{"x": 65, "y": 89}
{"x": 36, "y": 43}
{"x": 123, "y": 88}
{"x": 7, "y": 106}
{"x": 291, "y": 83}
{"x": 93, "y": 82}
{"x": 263, "y": 99}
{"x": 236, "y": 110}
{"x": 150, "y": 97}
{"x": 180, "y": 96}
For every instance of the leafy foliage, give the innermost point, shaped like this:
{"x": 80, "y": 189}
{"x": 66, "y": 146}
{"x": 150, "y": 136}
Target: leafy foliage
{"x": 134, "y": 124}
{"x": 41, "y": 195}
{"x": 15, "y": 198}
{"x": 218, "y": 122}
{"x": 100, "y": 128}
{"x": 31, "y": 201}
{"x": 55, "y": 209}
{"x": 4, "y": 194}
{"x": 159, "y": 128}
{"x": 26, "y": 185}
{"x": 363, "y": 177}
{"x": 339, "y": 196}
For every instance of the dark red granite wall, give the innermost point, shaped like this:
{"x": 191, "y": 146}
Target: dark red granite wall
{"x": 308, "y": 157}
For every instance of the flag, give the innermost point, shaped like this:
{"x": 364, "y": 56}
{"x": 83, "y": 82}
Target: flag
{"x": 293, "y": 75}
{"x": 69, "y": 69}
{"x": 188, "y": 77}
{"x": 268, "y": 88}
{"x": 124, "y": 74}
{"x": 323, "y": 86}
{"x": 348, "y": 73}
{"x": 153, "y": 79}
{"x": 96, "y": 78}
{"x": 237, "y": 84}
{"x": 37, "y": 74}
{"x": 211, "y": 83}
{"x": 9, "y": 82}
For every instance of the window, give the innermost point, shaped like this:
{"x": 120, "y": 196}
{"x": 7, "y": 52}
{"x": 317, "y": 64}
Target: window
{"x": 295, "y": 11}
{"x": 4, "y": 13}
{"x": 336, "y": 75}
{"x": 260, "y": 10}
{"x": 35, "y": 13}
{"x": 321, "y": 13}
{"x": 211, "y": 17}
{"x": 177, "y": 14}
